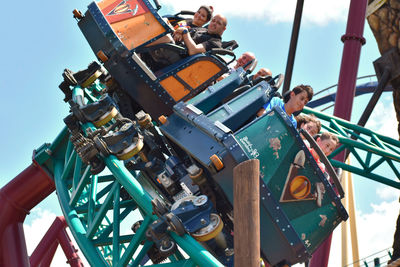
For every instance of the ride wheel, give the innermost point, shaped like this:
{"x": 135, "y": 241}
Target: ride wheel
{"x": 100, "y": 220}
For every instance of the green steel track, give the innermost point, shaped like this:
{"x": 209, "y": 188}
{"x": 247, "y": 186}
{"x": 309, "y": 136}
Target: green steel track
{"x": 98, "y": 217}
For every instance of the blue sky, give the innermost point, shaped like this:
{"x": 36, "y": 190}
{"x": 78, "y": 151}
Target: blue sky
{"x": 40, "y": 40}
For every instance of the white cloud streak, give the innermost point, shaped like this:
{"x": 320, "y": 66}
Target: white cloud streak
{"x": 383, "y": 118}
{"x": 375, "y": 232}
{"x": 387, "y": 193}
{"x": 314, "y": 11}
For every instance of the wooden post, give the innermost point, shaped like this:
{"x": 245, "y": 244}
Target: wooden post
{"x": 246, "y": 212}
{"x": 352, "y": 220}
{"x": 344, "y": 224}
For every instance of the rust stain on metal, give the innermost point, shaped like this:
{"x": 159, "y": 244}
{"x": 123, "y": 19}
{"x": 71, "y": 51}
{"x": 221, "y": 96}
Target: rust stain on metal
{"x": 275, "y": 144}
{"x": 323, "y": 220}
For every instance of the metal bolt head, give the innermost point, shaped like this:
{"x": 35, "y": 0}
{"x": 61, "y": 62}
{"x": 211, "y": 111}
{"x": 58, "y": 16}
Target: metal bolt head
{"x": 229, "y": 252}
{"x": 200, "y": 200}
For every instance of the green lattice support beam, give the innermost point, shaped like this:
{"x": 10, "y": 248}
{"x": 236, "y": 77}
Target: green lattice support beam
{"x": 95, "y": 212}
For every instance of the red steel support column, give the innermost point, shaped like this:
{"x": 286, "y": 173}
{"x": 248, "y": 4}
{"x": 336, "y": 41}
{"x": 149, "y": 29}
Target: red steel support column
{"x": 13, "y": 246}
{"x": 17, "y": 198}
{"x": 48, "y": 239}
{"x": 54, "y": 236}
{"x": 69, "y": 249}
{"x": 353, "y": 40}
{"x": 48, "y": 258}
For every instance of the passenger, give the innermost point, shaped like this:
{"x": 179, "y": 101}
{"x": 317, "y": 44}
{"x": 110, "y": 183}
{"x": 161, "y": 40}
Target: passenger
{"x": 201, "y": 17}
{"x": 309, "y": 123}
{"x": 327, "y": 142}
{"x": 293, "y": 101}
{"x": 203, "y": 41}
{"x": 245, "y": 58}
{"x": 263, "y": 72}
{"x": 240, "y": 62}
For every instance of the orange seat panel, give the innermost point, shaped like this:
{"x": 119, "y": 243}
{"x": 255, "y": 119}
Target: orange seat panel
{"x": 174, "y": 88}
{"x": 198, "y": 73}
{"x": 194, "y": 75}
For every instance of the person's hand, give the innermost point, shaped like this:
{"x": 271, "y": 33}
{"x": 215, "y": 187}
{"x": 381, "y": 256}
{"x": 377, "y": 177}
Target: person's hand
{"x": 180, "y": 30}
{"x": 260, "y": 112}
{"x": 178, "y": 37}
{"x": 178, "y": 34}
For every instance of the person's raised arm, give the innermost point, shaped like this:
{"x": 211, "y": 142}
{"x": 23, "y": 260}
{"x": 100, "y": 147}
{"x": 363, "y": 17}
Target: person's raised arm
{"x": 192, "y": 47}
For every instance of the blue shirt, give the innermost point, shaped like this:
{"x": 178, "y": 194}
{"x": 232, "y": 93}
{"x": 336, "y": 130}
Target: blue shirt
{"x": 276, "y": 101}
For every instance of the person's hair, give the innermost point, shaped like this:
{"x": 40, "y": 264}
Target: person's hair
{"x": 224, "y": 19}
{"x": 304, "y": 119}
{"x": 328, "y": 135}
{"x": 209, "y": 10}
{"x": 297, "y": 90}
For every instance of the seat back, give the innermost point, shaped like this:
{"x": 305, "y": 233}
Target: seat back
{"x": 135, "y": 22}
{"x": 214, "y": 95}
{"x": 162, "y": 55}
{"x": 122, "y": 25}
{"x": 235, "y": 113}
{"x": 183, "y": 15}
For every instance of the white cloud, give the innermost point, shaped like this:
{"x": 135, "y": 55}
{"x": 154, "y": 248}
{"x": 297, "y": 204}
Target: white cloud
{"x": 38, "y": 227}
{"x": 375, "y": 232}
{"x": 377, "y": 228}
{"x": 387, "y": 193}
{"x": 314, "y": 11}
{"x": 323, "y": 12}
{"x": 383, "y": 118}
{"x": 35, "y": 231}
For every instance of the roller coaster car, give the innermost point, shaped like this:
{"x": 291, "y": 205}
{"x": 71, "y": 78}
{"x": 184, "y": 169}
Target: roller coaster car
{"x": 299, "y": 207}
{"x": 187, "y": 166}
{"x": 188, "y": 170}
{"x": 119, "y": 31}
